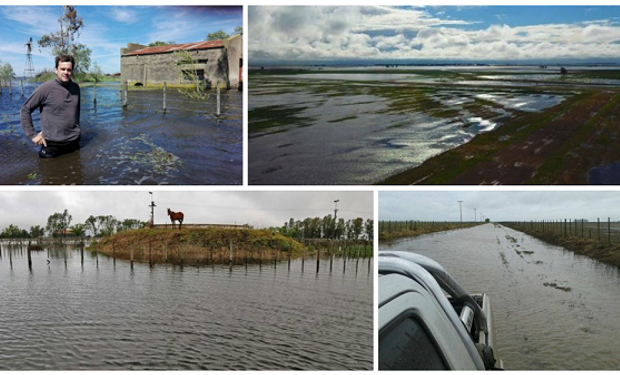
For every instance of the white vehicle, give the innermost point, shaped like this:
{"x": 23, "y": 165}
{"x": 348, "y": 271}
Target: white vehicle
{"x": 427, "y": 321}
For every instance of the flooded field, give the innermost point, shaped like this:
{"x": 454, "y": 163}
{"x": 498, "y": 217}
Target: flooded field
{"x": 78, "y": 310}
{"x": 553, "y": 310}
{"x": 186, "y": 145}
{"x": 343, "y": 126}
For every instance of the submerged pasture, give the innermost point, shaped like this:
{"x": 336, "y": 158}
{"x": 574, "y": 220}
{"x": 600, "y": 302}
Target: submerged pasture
{"x": 354, "y": 126}
{"x": 187, "y": 144}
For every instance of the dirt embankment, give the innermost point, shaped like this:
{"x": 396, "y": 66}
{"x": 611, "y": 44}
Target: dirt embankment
{"x": 600, "y": 250}
{"x": 211, "y": 245}
{"x": 557, "y": 146}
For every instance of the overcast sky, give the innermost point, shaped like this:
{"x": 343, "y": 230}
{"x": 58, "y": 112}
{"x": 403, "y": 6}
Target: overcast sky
{"x": 107, "y": 29}
{"x": 260, "y": 209}
{"x": 499, "y": 205}
{"x": 437, "y": 33}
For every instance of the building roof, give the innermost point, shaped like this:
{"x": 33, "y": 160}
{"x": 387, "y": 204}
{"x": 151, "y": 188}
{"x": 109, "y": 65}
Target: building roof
{"x": 178, "y": 47}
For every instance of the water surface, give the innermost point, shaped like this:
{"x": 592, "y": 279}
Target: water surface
{"x": 185, "y": 145}
{"x": 89, "y": 312}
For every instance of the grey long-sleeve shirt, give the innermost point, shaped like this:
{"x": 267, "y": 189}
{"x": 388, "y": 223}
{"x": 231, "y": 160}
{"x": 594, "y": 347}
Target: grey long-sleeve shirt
{"x": 59, "y": 105}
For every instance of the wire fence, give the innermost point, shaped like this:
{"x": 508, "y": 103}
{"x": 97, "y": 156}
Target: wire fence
{"x": 215, "y": 102}
{"x": 604, "y": 231}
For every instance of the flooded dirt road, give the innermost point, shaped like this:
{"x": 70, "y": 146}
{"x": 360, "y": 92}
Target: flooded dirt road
{"x": 81, "y": 311}
{"x": 553, "y": 310}
{"x": 186, "y": 145}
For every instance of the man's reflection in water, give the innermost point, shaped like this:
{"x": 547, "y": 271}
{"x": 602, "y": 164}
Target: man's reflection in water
{"x": 62, "y": 170}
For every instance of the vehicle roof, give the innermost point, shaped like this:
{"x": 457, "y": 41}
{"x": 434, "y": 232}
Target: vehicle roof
{"x": 402, "y": 297}
{"x": 406, "y": 264}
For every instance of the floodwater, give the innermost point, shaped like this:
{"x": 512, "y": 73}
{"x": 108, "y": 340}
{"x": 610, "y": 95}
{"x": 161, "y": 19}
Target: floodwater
{"x": 553, "y": 309}
{"x": 186, "y": 145}
{"x": 345, "y": 129}
{"x": 92, "y": 312}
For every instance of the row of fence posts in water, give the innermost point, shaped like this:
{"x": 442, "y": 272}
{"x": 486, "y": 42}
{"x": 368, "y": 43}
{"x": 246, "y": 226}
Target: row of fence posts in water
{"x": 125, "y": 95}
{"x": 346, "y": 255}
{"x": 29, "y": 250}
{"x": 231, "y": 256}
{"x": 567, "y": 228}
{"x": 21, "y": 83}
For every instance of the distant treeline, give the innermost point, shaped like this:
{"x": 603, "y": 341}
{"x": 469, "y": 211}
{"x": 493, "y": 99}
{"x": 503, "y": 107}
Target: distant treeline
{"x": 59, "y": 225}
{"x": 329, "y": 228}
{"x": 391, "y": 230}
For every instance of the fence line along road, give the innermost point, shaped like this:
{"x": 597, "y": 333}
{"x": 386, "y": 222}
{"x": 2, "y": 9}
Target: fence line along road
{"x": 601, "y": 231}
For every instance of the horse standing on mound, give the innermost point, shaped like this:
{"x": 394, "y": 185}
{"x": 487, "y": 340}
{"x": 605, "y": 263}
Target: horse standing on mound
{"x": 176, "y": 216}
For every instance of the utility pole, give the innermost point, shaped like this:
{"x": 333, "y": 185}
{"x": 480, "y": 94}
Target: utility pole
{"x": 335, "y": 216}
{"x": 336, "y": 209}
{"x": 152, "y": 205}
{"x": 461, "y": 210}
{"x": 475, "y": 215}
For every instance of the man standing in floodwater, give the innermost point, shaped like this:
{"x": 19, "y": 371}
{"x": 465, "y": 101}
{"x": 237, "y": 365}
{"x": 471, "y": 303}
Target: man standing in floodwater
{"x": 58, "y": 102}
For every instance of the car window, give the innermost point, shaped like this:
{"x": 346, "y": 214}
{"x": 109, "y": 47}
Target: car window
{"x": 407, "y": 346}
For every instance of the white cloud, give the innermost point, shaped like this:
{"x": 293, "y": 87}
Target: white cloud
{"x": 330, "y": 33}
{"x": 124, "y": 15}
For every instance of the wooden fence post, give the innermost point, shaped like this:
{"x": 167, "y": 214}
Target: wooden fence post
{"x": 218, "y": 99}
{"x": 165, "y": 85}
{"x": 609, "y": 229}
{"x": 124, "y": 95}
{"x": 318, "y": 256}
{"x": 303, "y": 259}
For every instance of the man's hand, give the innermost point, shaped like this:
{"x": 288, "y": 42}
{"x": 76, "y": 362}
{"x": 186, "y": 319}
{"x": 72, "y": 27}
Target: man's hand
{"x": 39, "y": 140}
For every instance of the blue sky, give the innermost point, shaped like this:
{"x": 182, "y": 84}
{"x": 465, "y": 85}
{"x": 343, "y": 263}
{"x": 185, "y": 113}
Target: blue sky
{"x": 445, "y": 33}
{"x": 109, "y": 28}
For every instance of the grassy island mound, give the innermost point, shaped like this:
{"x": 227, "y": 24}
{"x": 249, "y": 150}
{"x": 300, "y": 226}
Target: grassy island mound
{"x": 197, "y": 245}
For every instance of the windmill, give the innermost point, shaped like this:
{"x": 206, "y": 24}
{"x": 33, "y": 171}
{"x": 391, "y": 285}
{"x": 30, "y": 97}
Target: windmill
{"x": 29, "y": 68}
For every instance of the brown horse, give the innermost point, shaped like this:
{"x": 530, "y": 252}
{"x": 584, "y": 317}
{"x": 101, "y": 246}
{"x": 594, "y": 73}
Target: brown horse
{"x": 176, "y": 216}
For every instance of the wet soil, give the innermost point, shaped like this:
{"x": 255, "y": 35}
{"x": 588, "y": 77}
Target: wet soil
{"x": 558, "y": 146}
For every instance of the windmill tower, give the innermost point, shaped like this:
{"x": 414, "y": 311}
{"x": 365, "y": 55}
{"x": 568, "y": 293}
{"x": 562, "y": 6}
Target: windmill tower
{"x": 29, "y": 68}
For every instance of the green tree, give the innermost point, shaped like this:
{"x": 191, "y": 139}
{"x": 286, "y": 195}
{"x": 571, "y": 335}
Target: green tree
{"x": 6, "y": 73}
{"x": 328, "y": 226}
{"x": 188, "y": 73}
{"x": 218, "y": 35}
{"x": 96, "y": 73}
{"x": 340, "y": 230}
{"x": 58, "y": 222}
{"x": 37, "y": 231}
{"x": 12, "y": 231}
{"x": 369, "y": 228}
{"x": 107, "y": 225}
{"x": 358, "y": 227}
{"x": 158, "y": 43}
{"x": 78, "y": 229}
{"x": 238, "y": 30}
{"x": 131, "y": 224}
{"x": 92, "y": 224}
{"x": 62, "y": 41}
